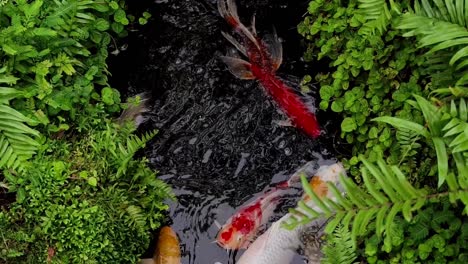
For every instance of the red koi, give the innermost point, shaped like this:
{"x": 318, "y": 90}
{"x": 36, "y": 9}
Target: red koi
{"x": 263, "y": 62}
{"x": 243, "y": 226}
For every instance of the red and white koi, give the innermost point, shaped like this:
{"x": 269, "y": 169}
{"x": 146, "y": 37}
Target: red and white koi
{"x": 243, "y": 226}
{"x": 263, "y": 62}
{"x": 278, "y": 245}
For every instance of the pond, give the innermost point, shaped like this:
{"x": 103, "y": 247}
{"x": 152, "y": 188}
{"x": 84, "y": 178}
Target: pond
{"x": 218, "y": 143}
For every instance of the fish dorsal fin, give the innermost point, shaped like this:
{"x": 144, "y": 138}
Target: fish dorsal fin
{"x": 234, "y": 42}
{"x": 240, "y": 68}
{"x": 275, "y": 49}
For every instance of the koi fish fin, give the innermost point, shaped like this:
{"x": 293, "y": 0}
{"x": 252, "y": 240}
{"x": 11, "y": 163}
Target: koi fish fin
{"x": 252, "y": 26}
{"x": 240, "y": 68}
{"x": 135, "y": 111}
{"x": 275, "y": 48}
{"x": 234, "y": 42}
{"x": 228, "y": 10}
{"x": 217, "y": 224}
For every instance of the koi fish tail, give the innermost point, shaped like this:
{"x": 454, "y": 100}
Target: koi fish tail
{"x": 270, "y": 49}
{"x": 228, "y": 10}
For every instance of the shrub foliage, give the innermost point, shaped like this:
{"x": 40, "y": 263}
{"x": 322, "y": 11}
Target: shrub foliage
{"x": 398, "y": 77}
{"x": 81, "y": 195}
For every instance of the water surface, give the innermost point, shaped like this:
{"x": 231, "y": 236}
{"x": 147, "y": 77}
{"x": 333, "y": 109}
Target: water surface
{"x": 218, "y": 144}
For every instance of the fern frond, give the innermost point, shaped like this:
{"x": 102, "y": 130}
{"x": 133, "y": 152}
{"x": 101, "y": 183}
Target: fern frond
{"x": 16, "y": 145}
{"x": 68, "y": 11}
{"x": 440, "y": 26}
{"x": 136, "y": 216}
{"x": 408, "y": 143}
{"x": 377, "y": 14}
{"x": 457, "y": 129}
{"x": 387, "y": 194}
{"x": 419, "y": 230}
{"x": 340, "y": 247}
{"x": 436, "y": 121}
{"x": 133, "y": 144}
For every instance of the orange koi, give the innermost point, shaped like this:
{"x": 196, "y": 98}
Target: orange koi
{"x": 167, "y": 249}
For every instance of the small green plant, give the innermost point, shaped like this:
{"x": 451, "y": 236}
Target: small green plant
{"x": 372, "y": 72}
{"x": 403, "y": 144}
{"x": 437, "y": 234}
{"x": 54, "y": 53}
{"x": 90, "y": 202}
{"x": 339, "y": 248}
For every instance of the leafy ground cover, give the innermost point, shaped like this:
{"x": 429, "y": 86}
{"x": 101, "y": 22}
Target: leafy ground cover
{"x": 81, "y": 195}
{"x": 397, "y": 76}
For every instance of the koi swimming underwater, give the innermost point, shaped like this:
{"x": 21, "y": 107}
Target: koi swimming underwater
{"x": 276, "y": 245}
{"x": 263, "y": 62}
{"x": 242, "y": 228}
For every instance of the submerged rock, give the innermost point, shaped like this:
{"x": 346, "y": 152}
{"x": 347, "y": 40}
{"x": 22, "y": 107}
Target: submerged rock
{"x": 312, "y": 239}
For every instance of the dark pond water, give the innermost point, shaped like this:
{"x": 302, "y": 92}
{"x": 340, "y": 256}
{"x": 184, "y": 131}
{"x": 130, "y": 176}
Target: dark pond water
{"x": 218, "y": 145}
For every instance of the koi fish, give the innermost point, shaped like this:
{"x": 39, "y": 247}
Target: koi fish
{"x": 242, "y": 227}
{"x": 167, "y": 249}
{"x": 278, "y": 245}
{"x": 263, "y": 62}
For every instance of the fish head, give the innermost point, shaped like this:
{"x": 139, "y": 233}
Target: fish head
{"x": 229, "y": 238}
{"x": 236, "y": 234}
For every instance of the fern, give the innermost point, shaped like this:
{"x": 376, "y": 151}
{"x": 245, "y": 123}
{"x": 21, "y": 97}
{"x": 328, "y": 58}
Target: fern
{"x": 457, "y": 129}
{"x": 386, "y": 194}
{"x": 408, "y": 143}
{"x": 446, "y": 133}
{"x": 340, "y": 247}
{"x": 16, "y": 145}
{"x": 137, "y": 216}
{"x": 134, "y": 143}
{"x": 440, "y": 26}
{"x": 378, "y": 15}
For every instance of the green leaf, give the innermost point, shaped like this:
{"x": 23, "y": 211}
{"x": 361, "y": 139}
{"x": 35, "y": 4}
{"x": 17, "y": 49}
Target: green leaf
{"x": 404, "y": 124}
{"x": 348, "y": 124}
{"x": 337, "y": 106}
{"x": 92, "y": 181}
{"x": 9, "y": 79}
{"x": 101, "y": 24}
{"x": 442, "y": 159}
{"x": 121, "y": 17}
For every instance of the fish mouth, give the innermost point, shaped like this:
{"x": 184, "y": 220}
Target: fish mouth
{"x": 229, "y": 246}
